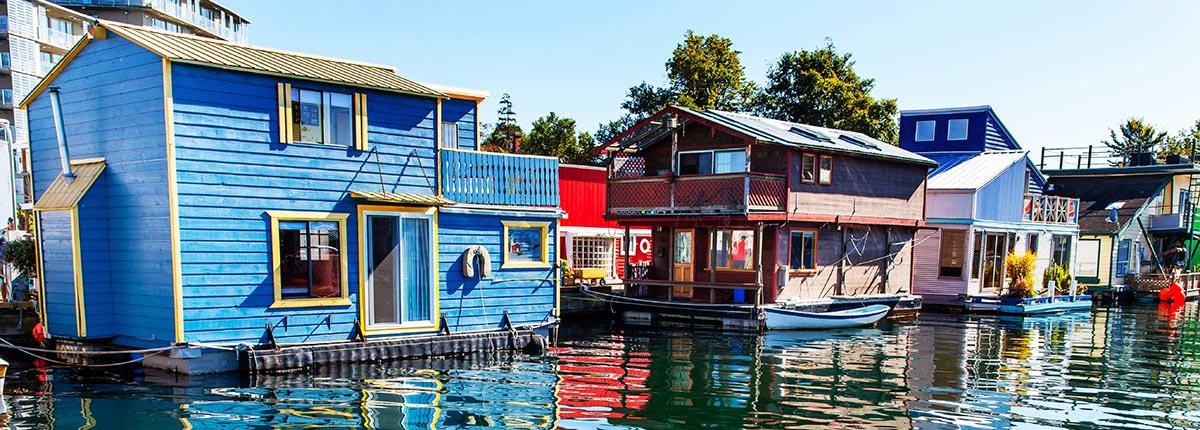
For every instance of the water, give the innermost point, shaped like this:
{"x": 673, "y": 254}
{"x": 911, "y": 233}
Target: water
{"x": 1113, "y": 368}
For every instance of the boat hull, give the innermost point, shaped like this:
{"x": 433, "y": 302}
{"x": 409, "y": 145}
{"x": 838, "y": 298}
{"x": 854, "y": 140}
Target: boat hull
{"x": 786, "y": 319}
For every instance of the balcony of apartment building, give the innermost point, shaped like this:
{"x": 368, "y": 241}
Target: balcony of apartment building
{"x": 6, "y": 98}
{"x": 489, "y": 178}
{"x": 59, "y": 33}
{"x": 5, "y": 62}
{"x": 3, "y": 24}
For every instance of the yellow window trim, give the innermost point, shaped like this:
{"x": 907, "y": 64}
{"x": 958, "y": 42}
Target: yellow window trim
{"x": 362, "y": 272}
{"x": 544, "y": 226}
{"x": 340, "y": 218}
{"x": 285, "y": 111}
{"x": 360, "y": 122}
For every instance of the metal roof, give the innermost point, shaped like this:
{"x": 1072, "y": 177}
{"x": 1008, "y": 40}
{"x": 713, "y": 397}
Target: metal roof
{"x": 402, "y": 198}
{"x": 186, "y": 48}
{"x": 963, "y": 171}
{"x": 806, "y": 136}
{"x": 65, "y": 193}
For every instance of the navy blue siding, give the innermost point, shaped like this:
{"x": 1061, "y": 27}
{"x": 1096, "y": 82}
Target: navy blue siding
{"x": 995, "y": 139}
{"x": 232, "y": 169}
{"x": 463, "y": 113}
{"x": 477, "y": 304}
{"x": 112, "y": 100}
{"x": 1003, "y": 197}
{"x": 58, "y": 272}
{"x": 975, "y": 133}
{"x": 94, "y": 253}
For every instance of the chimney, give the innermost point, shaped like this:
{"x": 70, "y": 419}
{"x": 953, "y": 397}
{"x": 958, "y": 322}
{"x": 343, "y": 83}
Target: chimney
{"x": 56, "y": 112}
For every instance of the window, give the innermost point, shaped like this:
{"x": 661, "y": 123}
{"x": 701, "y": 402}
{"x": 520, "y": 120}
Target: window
{"x": 925, "y": 131}
{"x": 401, "y": 282}
{"x": 525, "y": 244}
{"x": 208, "y": 13}
{"x": 450, "y": 135}
{"x": 1060, "y": 253}
{"x": 951, "y": 258}
{"x": 991, "y": 250}
{"x": 597, "y": 252}
{"x": 712, "y": 162}
{"x": 808, "y": 169}
{"x": 734, "y": 249}
{"x": 956, "y": 129}
{"x": 1031, "y": 242}
{"x": 1124, "y": 251}
{"x": 683, "y": 246}
{"x": 1089, "y": 258}
{"x": 826, "y": 172}
{"x": 322, "y": 117}
{"x": 804, "y": 251}
{"x": 308, "y": 253}
{"x": 59, "y": 25}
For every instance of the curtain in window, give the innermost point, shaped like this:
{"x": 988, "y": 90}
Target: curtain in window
{"x": 418, "y": 304}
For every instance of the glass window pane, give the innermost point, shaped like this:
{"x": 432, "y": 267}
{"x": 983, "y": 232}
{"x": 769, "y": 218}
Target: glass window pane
{"x": 826, "y": 172}
{"x": 729, "y": 162}
{"x": 450, "y": 135}
{"x": 524, "y": 245}
{"x": 325, "y": 258}
{"x": 735, "y": 249}
{"x": 418, "y": 295}
{"x": 1089, "y": 257}
{"x": 951, "y": 256}
{"x": 683, "y": 247}
{"x": 803, "y": 254}
{"x": 306, "y": 116}
{"x": 341, "y": 119}
{"x": 293, "y": 256}
{"x": 977, "y": 253}
{"x": 384, "y": 275}
{"x": 925, "y": 131}
{"x": 956, "y": 129}
{"x": 808, "y": 168}
{"x": 695, "y": 163}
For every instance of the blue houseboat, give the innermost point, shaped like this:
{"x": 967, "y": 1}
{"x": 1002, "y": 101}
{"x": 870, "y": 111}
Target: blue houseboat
{"x": 985, "y": 201}
{"x": 205, "y": 195}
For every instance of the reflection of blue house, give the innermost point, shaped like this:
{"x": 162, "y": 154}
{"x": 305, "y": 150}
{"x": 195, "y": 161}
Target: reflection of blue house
{"x": 227, "y": 194}
{"x": 984, "y": 201}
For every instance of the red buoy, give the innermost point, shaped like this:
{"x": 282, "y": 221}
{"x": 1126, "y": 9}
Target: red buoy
{"x": 1172, "y": 293}
{"x": 38, "y": 333}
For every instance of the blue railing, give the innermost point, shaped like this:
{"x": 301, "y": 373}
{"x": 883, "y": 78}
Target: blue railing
{"x": 490, "y": 178}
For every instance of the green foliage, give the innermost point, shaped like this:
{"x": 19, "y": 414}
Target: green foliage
{"x": 821, "y": 88}
{"x": 1061, "y": 278}
{"x": 1019, "y": 270}
{"x": 20, "y": 254}
{"x": 703, "y": 72}
{"x": 1136, "y": 137}
{"x": 556, "y": 137}
{"x": 506, "y": 133}
{"x": 1184, "y": 142}
{"x": 608, "y": 131}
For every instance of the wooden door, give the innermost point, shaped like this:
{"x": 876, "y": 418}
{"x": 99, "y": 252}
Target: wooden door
{"x": 683, "y": 257}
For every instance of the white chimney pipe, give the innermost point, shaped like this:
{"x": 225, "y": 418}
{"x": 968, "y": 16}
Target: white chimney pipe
{"x": 63, "y": 155}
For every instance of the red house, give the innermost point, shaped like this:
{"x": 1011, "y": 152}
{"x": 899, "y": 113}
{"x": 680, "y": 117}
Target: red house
{"x": 587, "y": 239}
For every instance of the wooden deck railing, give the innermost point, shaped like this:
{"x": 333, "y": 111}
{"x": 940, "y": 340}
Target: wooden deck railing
{"x": 499, "y": 179}
{"x": 732, "y": 192}
{"x": 1152, "y": 283}
{"x": 1051, "y": 209}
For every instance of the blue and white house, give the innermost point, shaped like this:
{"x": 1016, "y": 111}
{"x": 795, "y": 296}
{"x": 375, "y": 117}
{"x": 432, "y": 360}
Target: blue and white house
{"x": 197, "y": 192}
{"x": 985, "y": 200}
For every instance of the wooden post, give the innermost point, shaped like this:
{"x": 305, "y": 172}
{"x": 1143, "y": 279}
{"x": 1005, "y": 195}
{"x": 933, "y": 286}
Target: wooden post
{"x": 887, "y": 260}
{"x": 1089, "y": 156}
{"x": 758, "y": 269}
{"x": 841, "y": 283}
{"x": 712, "y": 255}
{"x": 674, "y": 157}
{"x": 1042, "y": 161}
{"x": 625, "y": 250}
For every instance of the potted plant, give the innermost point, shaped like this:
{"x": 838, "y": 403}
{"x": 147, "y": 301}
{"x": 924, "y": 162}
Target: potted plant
{"x": 1061, "y": 278}
{"x": 1019, "y": 269}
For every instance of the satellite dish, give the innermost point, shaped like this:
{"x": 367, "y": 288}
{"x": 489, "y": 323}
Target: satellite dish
{"x": 1112, "y": 211}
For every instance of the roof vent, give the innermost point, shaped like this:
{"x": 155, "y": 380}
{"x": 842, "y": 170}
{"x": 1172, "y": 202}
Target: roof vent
{"x": 809, "y": 134}
{"x": 859, "y": 141}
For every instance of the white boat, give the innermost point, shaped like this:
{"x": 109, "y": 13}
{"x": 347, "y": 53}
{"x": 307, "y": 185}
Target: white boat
{"x": 788, "y": 319}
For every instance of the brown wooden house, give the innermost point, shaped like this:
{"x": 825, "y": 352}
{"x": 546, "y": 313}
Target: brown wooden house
{"x": 748, "y": 210}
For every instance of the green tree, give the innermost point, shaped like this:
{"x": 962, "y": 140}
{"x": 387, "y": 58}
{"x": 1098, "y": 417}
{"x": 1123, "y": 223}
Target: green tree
{"x": 607, "y": 131}
{"x": 703, "y": 72}
{"x": 1182, "y": 143}
{"x": 821, "y": 88}
{"x": 505, "y": 134}
{"x": 1136, "y": 137}
{"x": 555, "y": 136}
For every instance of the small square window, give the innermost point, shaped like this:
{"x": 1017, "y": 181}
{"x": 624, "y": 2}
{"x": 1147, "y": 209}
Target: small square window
{"x": 956, "y": 129}
{"x": 322, "y": 117}
{"x": 525, "y": 244}
{"x": 450, "y": 135}
{"x": 925, "y": 131}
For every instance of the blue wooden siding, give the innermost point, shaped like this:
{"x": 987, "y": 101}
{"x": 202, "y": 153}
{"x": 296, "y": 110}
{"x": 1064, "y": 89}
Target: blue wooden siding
{"x": 475, "y": 304}
{"x": 232, "y": 169}
{"x": 463, "y": 113}
{"x": 112, "y": 100}
{"x": 1003, "y": 197}
{"x": 995, "y": 139}
{"x": 98, "y": 297}
{"x": 58, "y": 272}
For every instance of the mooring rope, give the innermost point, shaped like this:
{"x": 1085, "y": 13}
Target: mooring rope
{"x": 27, "y": 351}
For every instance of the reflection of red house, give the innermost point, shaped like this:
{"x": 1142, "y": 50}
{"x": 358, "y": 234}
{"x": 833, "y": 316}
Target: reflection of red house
{"x": 587, "y": 239}
{"x": 601, "y": 387}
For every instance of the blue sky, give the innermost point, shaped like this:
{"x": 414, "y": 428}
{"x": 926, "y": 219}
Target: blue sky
{"x": 1057, "y": 73}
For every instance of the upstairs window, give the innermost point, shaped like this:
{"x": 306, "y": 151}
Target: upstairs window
{"x": 59, "y": 25}
{"x": 825, "y": 174}
{"x": 450, "y": 135}
{"x": 712, "y": 162}
{"x": 956, "y": 129}
{"x": 808, "y": 169}
{"x": 322, "y": 117}
{"x": 925, "y": 131}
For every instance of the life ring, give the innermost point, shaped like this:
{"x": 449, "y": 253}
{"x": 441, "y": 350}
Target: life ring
{"x": 470, "y": 255}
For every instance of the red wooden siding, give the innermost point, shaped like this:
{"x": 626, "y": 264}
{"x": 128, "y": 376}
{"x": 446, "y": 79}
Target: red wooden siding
{"x": 581, "y": 191}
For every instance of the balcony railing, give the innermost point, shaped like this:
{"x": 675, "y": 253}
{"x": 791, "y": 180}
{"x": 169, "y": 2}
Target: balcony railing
{"x": 3, "y": 23}
{"x": 6, "y": 98}
{"x": 175, "y": 10}
{"x": 57, "y": 38}
{"x": 499, "y": 179}
{"x": 5, "y": 61}
{"x": 1098, "y": 157}
{"x": 1051, "y": 209}
{"x": 723, "y": 193}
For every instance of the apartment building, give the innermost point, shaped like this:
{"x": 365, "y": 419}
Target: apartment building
{"x": 36, "y": 34}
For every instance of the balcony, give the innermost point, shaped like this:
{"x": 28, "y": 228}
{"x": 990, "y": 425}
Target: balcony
{"x": 57, "y": 38}
{"x": 692, "y": 194}
{"x": 6, "y": 98}
{"x": 3, "y": 24}
{"x": 1043, "y": 209}
{"x": 5, "y": 62}
{"x": 490, "y": 178}
{"x": 195, "y": 19}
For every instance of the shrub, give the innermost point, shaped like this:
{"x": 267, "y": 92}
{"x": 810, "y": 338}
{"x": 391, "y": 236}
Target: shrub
{"x": 1061, "y": 278}
{"x": 1019, "y": 269}
{"x": 21, "y": 255}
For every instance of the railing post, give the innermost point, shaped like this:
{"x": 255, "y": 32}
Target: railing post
{"x": 1089, "y": 165}
{"x": 1042, "y": 160}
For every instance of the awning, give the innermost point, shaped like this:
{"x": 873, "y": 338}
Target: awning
{"x": 65, "y": 193}
{"x": 402, "y": 198}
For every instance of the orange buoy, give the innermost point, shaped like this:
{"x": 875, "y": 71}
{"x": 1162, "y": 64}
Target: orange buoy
{"x": 38, "y": 333}
{"x": 1172, "y": 293}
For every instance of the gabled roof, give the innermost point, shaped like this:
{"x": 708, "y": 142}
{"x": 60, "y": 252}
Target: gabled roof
{"x": 971, "y": 170}
{"x": 773, "y": 131}
{"x": 190, "y": 49}
{"x": 65, "y": 193}
{"x": 968, "y": 109}
{"x": 1096, "y": 194}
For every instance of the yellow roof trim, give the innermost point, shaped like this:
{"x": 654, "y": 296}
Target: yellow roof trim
{"x": 54, "y": 72}
{"x": 64, "y": 194}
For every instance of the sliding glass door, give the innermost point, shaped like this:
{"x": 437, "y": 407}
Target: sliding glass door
{"x": 400, "y": 274}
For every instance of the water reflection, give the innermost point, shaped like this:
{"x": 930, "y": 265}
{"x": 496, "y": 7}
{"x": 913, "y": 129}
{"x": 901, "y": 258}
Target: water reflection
{"x": 1132, "y": 368}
